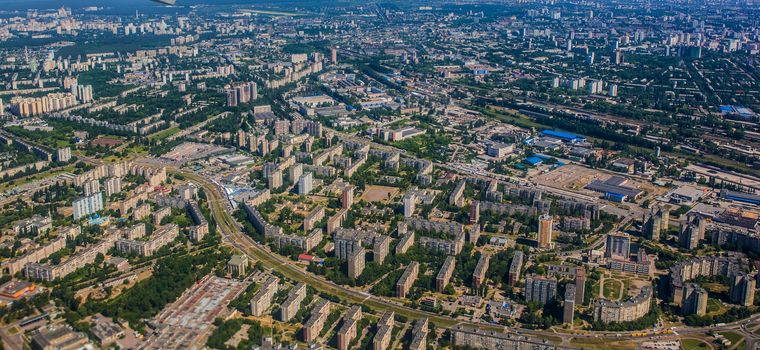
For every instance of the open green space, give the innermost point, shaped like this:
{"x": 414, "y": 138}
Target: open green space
{"x": 732, "y": 336}
{"x": 109, "y": 42}
{"x": 601, "y": 344}
{"x": 714, "y": 306}
{"x": 163, "y": 134}
{"x": 612, "y": 289}
{"x": 694, "y": 344}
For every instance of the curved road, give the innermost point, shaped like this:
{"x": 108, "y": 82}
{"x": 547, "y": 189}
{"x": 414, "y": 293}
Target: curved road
{"x": 233, "y": 234}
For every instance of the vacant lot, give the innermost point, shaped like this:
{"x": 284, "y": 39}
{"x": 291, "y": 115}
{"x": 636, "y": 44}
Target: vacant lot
{"x": 379, "y": 193}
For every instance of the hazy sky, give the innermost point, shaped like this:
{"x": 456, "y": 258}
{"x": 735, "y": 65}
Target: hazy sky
{"x": 24, "y": 4}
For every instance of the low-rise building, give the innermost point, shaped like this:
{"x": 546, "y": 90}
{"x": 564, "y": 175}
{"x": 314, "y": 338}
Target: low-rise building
{"x": 237, "y": 265}
{"x": 489, "y": 340}
{"x": 60, "y": 336}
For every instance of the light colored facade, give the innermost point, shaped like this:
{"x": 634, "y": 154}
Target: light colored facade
{"x": 457, "y": 197}
{"x": 49, "y": 273}
{"x": 237, "y": 265}
{"x": 305, "y": 184}
{"x": 316, "y": 322}
{"x": 63, "y": 154}
{"x": 87, "y": 205}
{"x": 112, "y": 186}
{"x": 12, "y": 266}
{"x": 160, "y": 238}
{"x": 348, "y": 331}
{"x": 313, "y": 218}
{"x": 406, "y": 281}
{"x": 290, "y": 307}
{"x": 406, "y": 242}
{"x": 630, "y": 310}
{"x": 356, "y": 263}
{"x": 545, "y": 228}
{"x": 263, "y": 297}
{"x": 410, "y": 204}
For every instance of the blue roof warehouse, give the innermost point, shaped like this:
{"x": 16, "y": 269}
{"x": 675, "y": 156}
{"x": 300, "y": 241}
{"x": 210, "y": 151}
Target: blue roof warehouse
{"x": 564, "y": 136}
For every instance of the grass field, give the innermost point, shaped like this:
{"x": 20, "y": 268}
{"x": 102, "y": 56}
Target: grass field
{"x": 164, "y": 134}
{"x": 38, "y": 176}
{"x": 612, "y": 289}
{"x": 714, "y": 306}
{"x": 518, "y": 120}
{"x": 694, "y": 344}
{"x": 733, "y": 337}
{"x": 602, "y": 344}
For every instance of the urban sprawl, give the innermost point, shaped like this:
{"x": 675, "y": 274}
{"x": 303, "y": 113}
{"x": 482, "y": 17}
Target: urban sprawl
{"x": 399, "y": 175}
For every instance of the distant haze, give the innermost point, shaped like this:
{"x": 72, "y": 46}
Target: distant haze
{"x": 15, "y": 5}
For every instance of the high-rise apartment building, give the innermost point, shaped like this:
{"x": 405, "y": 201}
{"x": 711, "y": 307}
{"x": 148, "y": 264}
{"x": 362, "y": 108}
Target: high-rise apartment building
{"x": 540, "y": 289}
{"x": 87, "y": 205}
{"x": 545, "y": 228}
{"x": 305, "y": 184}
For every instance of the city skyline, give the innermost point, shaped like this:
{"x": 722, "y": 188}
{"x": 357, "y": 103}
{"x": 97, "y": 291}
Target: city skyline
{"x": 509, "y": 174}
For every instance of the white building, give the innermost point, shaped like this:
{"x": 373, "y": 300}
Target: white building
{"x": 63, "y": 154}
{"x": 305, "y": 183}
{"x": 112, "y": 186}
{"x": 87, "y": 205}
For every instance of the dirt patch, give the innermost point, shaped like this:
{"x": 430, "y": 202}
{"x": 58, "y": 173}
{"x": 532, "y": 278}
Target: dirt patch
{"x": 379, "y": 193}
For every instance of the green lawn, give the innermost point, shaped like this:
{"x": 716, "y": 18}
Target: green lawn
{"x": 518, "y": 120}
{"x": 602, "y": 344}
{"x": 714, "y": 306}
{"x": 164, "y": 133}
{"x": 733, "y": 337}
{"x": 694, "y": 344}
{"x": 612, "y": 289}
{"x": 626, "y": 285}
{"x": 715, "y": 287}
